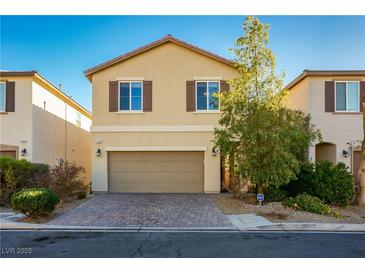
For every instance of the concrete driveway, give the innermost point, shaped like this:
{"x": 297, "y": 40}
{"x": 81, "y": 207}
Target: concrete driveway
{"x": 148, "y": 210}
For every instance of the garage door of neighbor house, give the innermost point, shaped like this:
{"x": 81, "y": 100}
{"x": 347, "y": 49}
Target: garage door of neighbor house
{"x": 156, "y": 171}
{"x": 8, "y": 153}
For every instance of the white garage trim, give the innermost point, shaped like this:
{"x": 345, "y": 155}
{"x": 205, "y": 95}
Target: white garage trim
{"x": 202, "y": 128}
{"x": 156, "y": 148}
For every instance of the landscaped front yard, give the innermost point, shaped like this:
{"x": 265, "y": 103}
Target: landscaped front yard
{"x": 277, "y": 213}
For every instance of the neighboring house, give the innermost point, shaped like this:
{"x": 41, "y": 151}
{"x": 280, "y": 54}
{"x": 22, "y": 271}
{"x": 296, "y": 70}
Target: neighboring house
{"x": 334, "y": 101}
{"x": 40, "y": 123}
{"x": 154, "y": 114}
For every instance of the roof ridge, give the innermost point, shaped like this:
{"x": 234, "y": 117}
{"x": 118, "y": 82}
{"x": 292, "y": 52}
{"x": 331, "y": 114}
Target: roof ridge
{"x": 164, "y": 39}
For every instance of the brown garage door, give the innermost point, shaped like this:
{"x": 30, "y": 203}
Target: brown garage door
{"x": 8, "y": 153}
{"x": 156, "y": 171}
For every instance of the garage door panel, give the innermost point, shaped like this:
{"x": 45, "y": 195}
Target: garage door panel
{"x": 156, "y": 172}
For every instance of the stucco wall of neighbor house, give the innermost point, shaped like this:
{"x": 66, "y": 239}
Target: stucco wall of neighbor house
{"x": 169, "y": 66}
{"x": 55, "y": 133}
{"x": 299, "y": 96}
{"x": 155, "y": 141}
{"x": 16, "y": 127}
{"x": 336, "y": 128}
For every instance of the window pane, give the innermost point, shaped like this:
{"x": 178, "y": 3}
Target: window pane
{"x": 136, "y": 103}
{"x": 213, "y": 100}
{"x": 124, "y": 89}
{"x": 340, "y": 96}
{"x": 124, "y": 103}
{"x": 136, "y": 88}
{"x": 201, "y": 93}
{"x": 353, "y": 96}
{"x": 2, "y": 96}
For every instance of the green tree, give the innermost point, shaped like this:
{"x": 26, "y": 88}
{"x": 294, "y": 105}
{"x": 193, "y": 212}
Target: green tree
{"x": 263, "y": 139}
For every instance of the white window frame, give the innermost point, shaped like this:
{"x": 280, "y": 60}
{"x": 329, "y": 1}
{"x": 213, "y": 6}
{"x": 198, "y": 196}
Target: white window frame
{"x": 196, "y": 96}
{"x": 130, "y": 96}
{"x": 4, "y": 110}
{"x": 358, "y": 96}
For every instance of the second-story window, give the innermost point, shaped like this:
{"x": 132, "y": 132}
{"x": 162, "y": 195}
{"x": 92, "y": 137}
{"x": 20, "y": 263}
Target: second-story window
{"x": 2, "y": 96}
{"x": 347, "y": 96}
{"x": 130, "y": 96}
{"x": 206, "y": 92}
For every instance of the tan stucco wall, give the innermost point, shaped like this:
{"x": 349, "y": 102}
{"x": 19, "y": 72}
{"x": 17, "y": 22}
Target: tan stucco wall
{"x": 336, "y": 128}
{"x": 169, "y": 66}
{"x": 16, "y": 127}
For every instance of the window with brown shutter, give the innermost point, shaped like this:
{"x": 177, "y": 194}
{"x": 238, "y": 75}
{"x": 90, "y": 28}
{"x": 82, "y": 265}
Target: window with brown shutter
{"x": 362, "y": 94}
{"x": 10, "y": 97}
{"x": 147, "y": 96}
{"x": 113, "y": 96}
{"x": 190, "y": 96}
{"x": 329, "y": 96}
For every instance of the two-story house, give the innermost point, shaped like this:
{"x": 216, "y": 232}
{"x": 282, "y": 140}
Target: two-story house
{"x": 334, "y": 101}
{"x": 40, "y": 123}
{"x": 154, "y": 114}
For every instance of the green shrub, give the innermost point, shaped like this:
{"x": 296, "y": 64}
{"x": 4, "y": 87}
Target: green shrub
{"x": 305, "y": 181}
{"x": 18, "y": 174}
{"x": 333, "y": 183}
{"x": 309, "y": 203}
{"x": 275, "y": 194}
{"x": 34, "y": 202}
{"x": 14, "y": 176}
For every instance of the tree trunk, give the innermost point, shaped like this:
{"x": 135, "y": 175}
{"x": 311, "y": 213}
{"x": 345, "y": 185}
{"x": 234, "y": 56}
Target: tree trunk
{"x": 233, "y": 180}
{"x": 360, "y": 195}
{"x": 259, "y": 188}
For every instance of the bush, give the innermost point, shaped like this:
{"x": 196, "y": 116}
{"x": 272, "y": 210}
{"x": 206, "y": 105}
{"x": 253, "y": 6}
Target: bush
{"x": 331, "y": 183}
{"x": 14, "y": 176}
{"x": 34, "y": 202}
{"x": 309, "y": 203}
{"x": 334, "y": 184}
{"x": 275, "y": 194}
{"x": 305, "y": 181}
{"x": 67, "y": 180}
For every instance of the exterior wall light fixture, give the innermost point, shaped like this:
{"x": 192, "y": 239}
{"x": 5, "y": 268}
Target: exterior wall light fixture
{"x": 23, "y": 152}
{"x": 98, "y": 152}
{"x": 345, "y": 153}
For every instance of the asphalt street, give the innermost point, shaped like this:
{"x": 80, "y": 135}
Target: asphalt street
{"x": 109, "y": 244}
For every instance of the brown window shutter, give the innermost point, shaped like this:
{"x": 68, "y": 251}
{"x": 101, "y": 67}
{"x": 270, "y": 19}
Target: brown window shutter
{"x": 362, "y": 94}
{"x": 329, "y": 96}
{"x": 190, "y": 95}
{"x": 147, "y": 95}
{"x": 113, "y": 96}
{"x": 224, "y": 86}
{"x": 10, "y": 97}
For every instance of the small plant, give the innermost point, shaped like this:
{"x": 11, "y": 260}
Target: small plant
{"x": 306, "y": 202}
{"x": 34, "y": 202}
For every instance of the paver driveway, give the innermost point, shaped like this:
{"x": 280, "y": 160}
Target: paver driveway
{"x": 149, "y": 210}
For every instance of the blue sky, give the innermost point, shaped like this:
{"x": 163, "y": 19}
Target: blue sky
{"x": 62, "y": 47}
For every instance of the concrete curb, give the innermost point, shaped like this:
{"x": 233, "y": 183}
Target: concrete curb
{"x": 336, "y": 227}
{"x": 28, "y": 226}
